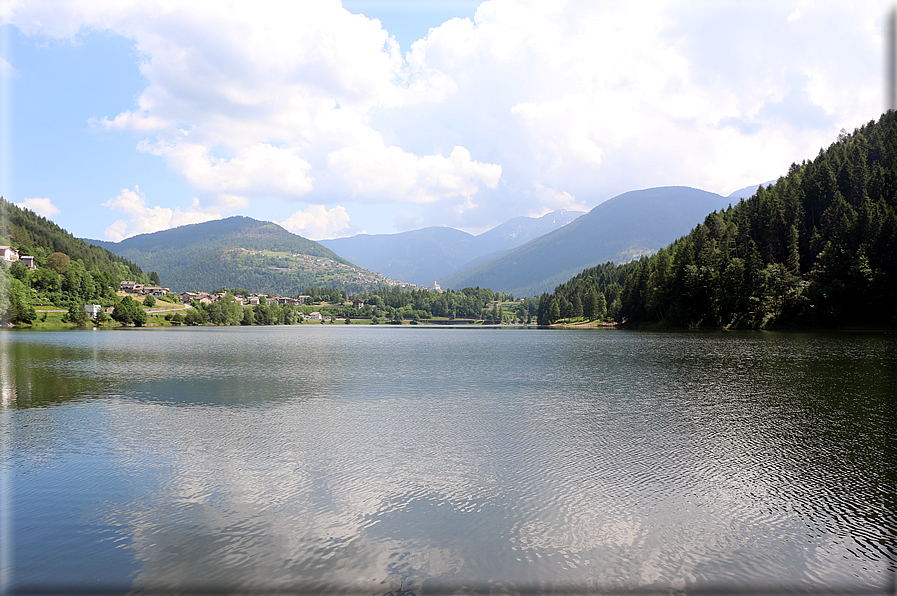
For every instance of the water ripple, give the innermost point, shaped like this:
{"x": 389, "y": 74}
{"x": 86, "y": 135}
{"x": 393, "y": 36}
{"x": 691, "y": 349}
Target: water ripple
{"x": 399, "y": 460}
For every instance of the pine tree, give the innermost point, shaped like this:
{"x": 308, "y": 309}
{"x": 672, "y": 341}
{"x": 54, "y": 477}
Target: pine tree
{"x": 554, "y": 312}
{"x": 793, "y": 263}
{"x": 577, "y": 306}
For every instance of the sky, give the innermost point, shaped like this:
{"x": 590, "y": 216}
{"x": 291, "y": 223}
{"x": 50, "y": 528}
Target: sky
{"x": 380, "y": 116}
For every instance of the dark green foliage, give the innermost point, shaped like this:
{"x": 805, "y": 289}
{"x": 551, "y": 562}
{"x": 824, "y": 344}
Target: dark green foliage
{"x": 416, "y": 304}
{"x": 554, "y": 312}
{"x": 128, "y": 311}
{"x": 76, "y": 314}
{"x": 816, "y": 249}
{"x": 15, "y": 301}
{"x": 224, "y": 312}
{"x": 593, "y": 288}
{"x": 34, "y": 235}
{"x": 68, "y": 270}
{"x": 228, "y": 312}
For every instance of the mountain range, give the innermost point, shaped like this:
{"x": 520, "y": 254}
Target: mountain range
{"x": 424, "y": 255}
{"x": 619, "y": 229}
{"x": 523, "y": 256}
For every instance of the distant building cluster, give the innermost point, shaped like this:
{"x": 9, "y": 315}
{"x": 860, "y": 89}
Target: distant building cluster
{"x": 133, "y": 287}
{"x": 207, "y": 298}
{"x": 252, "y": 299}
{"x": 345, "y": 274}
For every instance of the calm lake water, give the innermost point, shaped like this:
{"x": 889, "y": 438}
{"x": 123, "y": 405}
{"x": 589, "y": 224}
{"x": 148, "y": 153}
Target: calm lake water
{"x": 423, "y": 460}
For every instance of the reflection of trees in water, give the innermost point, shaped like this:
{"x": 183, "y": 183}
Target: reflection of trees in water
{"x": 39, "y": 375}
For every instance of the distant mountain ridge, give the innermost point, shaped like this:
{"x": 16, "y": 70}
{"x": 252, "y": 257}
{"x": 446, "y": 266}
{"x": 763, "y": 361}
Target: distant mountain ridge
{"x": 423, "y": 256}
{"x": 619, "y": 229}
{"x": 207, "y": 256}
{"x": 748, "y": 191}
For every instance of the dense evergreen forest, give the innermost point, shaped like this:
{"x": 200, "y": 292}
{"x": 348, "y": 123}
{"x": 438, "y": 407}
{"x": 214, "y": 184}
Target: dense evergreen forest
{"x": 68, "y": 270}
{"x": 817, "y": 249}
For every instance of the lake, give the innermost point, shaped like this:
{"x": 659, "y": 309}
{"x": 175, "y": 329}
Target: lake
{"x": 415, "y": 460}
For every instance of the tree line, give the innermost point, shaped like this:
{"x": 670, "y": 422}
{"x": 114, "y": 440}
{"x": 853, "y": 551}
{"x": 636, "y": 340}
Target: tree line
{"x": 389, "y": 304}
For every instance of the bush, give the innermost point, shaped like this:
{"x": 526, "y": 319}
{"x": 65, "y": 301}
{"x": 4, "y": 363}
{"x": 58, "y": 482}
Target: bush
{"x": 76, "y": 315}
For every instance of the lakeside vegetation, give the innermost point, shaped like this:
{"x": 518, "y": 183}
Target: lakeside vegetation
{"x": 69, "y": 274}
{"x": 387, "y": 305}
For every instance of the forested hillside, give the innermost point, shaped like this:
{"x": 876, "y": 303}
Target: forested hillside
{"x": 34, "y": 235}
{"x": 816, "y": 249}
{"x": 240, "y": 252}
{"x": 68, "y": 270}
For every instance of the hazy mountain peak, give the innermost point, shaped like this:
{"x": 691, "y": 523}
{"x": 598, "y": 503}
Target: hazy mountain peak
{"x": 748, "y": 191}
{"x": 633, "y": 223}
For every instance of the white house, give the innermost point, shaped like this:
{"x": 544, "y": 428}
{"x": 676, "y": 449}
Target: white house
{"x": 9, "y": 254}
{"x": 93, "y": 310}
{"x": 154, "y": 290}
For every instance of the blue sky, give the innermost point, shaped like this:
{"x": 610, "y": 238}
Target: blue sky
{"x": 381, "y": 116}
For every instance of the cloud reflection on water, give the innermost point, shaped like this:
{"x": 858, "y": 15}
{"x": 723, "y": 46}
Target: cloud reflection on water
{"x": 390, "y": 473}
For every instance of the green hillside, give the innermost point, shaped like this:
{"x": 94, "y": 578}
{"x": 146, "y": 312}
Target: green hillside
{"x": 68, "y": 270}
{"x": 34, "y": 235}
{"x": 241, "y": 252}
{"x": 817, "y": 249}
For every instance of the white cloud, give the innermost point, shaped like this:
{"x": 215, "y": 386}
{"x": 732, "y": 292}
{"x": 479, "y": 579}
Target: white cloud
{"x": 391, "y": 174}
{"x": 144, "y": 220}
{"x": 552, "y": 199}
{"x": 129, "y": 120}
{"x": 7, "y": 69}
{"x": 319, "y": 223}
{"x": 43, "y": 207}
{"x": 257, "y": 170}
{"x": 307, "y": 102}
